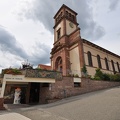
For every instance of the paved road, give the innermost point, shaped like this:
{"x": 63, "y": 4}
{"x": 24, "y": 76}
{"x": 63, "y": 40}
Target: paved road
{"x": 101, "y": 105}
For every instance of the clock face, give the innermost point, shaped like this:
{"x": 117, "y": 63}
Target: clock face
{"x": 71, "y": 25}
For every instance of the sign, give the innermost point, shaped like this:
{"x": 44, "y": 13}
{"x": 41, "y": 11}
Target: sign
{"x": 9, "y": 77}
{"x": 77, "y": 79}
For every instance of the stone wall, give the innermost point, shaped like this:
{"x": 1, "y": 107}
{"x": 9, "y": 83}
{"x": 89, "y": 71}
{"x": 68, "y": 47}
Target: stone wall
{"x": 65, "y": 88}
{"x": 2, "y": 104}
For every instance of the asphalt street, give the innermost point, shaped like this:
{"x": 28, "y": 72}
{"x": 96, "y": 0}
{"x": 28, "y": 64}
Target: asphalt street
{"x": 99, "y": 105}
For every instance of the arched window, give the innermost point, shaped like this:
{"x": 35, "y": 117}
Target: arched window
{"x": 89, "y": 58}
{"x": 113, "y": 66}
{"x": 106, "y": 63}
{"x": 58, "y": 64}
{"x": 70, "y": 15}
{"x": 118, "y": 67}
{"x": 99, "y": 61}
{"x": 58, "y": 33}
{"x": 73, "y": 18}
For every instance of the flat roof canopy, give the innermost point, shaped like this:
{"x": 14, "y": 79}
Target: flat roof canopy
{"x": 22, "y": 78}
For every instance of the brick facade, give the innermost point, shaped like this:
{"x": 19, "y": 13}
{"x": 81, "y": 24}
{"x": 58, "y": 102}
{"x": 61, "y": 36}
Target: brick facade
{"x": 1, "y": 104}
{"x": 65, "y": 88}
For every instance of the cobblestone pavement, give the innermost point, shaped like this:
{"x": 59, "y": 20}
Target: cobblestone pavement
{"x": 100, "y": 105}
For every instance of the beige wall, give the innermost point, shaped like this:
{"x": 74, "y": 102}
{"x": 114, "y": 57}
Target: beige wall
{"x": 69, "y": 30}
{"x": 74, "y": 59}
{"x": 60, "y": 25}
{"x": 102, "y": 55}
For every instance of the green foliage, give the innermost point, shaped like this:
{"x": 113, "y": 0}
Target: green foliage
{"x": 115, "y": 77}
{"x": 12, "y": 71}
{"x": 97, "y": 78}
{"x": 16, "y": 71}
{"x": 76, "y": 75}
{"x": 106, "y": 76}
{"x": 84, "y": 71}
{"x": 99, "y": 75}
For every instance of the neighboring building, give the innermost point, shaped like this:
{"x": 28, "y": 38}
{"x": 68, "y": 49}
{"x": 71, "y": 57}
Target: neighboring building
{"x": 70, "y": 52}
{"x": 44, "y": 67}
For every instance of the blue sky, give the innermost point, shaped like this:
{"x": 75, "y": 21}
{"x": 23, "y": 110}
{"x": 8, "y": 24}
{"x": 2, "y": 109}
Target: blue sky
{"x": 26, "y": 28}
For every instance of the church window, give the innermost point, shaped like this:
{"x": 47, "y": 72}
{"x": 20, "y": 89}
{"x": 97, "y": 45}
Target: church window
{"x": 58, "y": 33}
{"x": 99, "y": 61}
{"x": 58, "y": 17}
{"x": 73, "y": 18}
{"x": 70, "y": 15}
{"x": 113, "y": 66}
{"x": 89, "y": 59}
{"x": 106, "y": 63}
{"x": 61, "y": 14}
{"x": 118, "y": 67}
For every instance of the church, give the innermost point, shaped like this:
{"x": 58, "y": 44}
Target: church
{"x": 71, "y": 52}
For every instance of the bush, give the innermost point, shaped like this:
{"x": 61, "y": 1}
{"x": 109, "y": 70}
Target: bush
{"x": 84, "y": 71}
{"x": 97, "y": 78}
{"x": 99, "y": 75}
{"x": 115, "y": 77}
{"x": 106, "y": 76}
{"x": 76, "y": 75}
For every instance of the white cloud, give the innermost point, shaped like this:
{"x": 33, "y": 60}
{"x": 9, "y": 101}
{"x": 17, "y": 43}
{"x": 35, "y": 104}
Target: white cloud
{"x": 113, "y": 4}
{"x": 28, "y": 27}
{"x": 38, "y": 11}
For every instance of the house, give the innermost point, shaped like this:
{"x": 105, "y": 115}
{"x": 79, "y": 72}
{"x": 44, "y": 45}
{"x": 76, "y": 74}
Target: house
{"x": 44, "y": 67}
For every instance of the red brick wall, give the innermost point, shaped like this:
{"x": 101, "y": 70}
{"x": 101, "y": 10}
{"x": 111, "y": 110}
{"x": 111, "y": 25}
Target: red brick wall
{"x": 65, "y": 88}
{"x": 1, "y": 103}
{"x": 44, "y": 94}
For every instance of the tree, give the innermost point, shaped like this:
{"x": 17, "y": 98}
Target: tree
{"x": 84, "y": 71}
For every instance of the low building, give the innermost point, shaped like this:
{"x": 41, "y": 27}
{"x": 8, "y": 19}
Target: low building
{"x": 33, "y": 85}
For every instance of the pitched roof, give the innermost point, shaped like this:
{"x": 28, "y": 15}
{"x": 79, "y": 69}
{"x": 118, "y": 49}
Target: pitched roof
{"x": 100, "y": 48}
{"x": 64, "y": 6}
{"x": 47, "y": 67}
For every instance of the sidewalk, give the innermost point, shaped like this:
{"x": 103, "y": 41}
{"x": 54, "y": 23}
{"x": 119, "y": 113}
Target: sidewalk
{"x": 13, "y": 116}
{"x": 15, "y": 106}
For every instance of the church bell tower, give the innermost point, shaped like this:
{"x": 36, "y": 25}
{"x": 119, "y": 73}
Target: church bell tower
{"x": 66, "y": 34}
